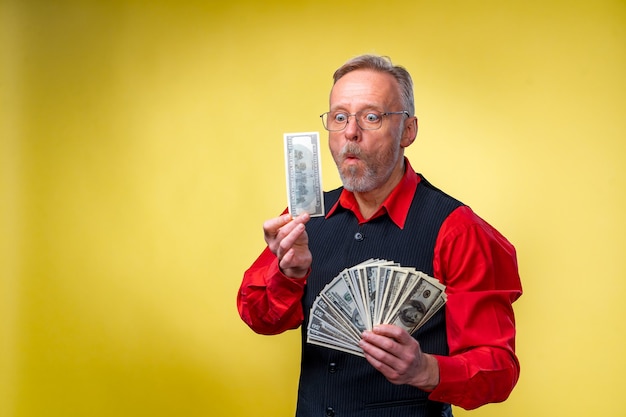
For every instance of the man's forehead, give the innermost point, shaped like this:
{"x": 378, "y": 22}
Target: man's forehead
{"x": 365, "y": 85}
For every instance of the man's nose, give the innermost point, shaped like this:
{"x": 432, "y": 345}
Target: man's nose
{"x": 352, "y": 130}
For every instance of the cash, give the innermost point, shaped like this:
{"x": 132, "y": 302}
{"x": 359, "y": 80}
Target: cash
{"x": 373, "y": 292}
{"x": 304, "y": 175}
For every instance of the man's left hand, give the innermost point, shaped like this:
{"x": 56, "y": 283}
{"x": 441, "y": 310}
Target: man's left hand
{"x": 399, "y": 357}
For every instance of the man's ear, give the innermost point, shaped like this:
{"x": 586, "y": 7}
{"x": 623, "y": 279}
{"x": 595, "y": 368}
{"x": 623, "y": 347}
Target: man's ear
{"x": 410, "y": 131}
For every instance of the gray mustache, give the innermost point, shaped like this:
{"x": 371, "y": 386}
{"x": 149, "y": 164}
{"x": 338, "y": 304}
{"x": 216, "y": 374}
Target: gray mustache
{"x": 350, "y": 149}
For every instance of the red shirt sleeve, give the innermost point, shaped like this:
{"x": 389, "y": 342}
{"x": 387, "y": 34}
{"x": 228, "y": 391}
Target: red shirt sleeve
{"x": 479, "y": 268}
{"x": 268, "y": 301}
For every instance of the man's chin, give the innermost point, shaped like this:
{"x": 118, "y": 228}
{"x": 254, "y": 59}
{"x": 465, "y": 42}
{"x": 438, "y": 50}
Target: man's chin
{"x": 355, "y": 184}
{"x": 348, "y": 182}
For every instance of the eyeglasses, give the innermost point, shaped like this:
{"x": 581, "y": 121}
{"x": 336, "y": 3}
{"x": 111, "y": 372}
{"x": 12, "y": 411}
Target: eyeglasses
{"x": 335, "y": 121}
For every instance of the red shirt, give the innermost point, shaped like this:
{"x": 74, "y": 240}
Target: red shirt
{"x": 477, "y": 265}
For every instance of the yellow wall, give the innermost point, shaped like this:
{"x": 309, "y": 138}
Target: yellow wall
{"x": 141, "y": 149}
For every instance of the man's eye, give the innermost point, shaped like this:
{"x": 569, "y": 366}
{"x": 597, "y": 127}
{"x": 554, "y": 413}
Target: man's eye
{"x": 340, "y": 117}
{"x": 372, "y": 117}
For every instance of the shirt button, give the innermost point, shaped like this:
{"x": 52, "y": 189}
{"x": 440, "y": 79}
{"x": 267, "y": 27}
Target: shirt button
{"x": 330, "y": 412}
{"x": 358, "y": 236}
{"x": 332, "y": 367}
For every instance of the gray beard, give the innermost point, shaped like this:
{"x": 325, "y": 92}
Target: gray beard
{"x": 368, "y": 181}
{"x": 372, "y": 178}
{"x": 359, "y": 184}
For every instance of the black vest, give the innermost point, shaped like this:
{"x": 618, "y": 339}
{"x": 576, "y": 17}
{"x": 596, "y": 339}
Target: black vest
{"x": 337, "y": 383}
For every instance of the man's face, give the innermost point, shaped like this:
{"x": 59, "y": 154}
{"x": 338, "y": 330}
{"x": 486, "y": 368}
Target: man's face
{"x": 366, "y": 158}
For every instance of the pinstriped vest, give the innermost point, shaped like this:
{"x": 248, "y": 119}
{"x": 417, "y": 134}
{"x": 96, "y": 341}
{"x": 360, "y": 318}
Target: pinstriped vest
{"x": 333, "y": 383}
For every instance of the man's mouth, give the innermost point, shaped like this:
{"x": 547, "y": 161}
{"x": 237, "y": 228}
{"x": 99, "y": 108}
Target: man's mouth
{"x": 350, "y": 153}
{"x": 351, "y": 159}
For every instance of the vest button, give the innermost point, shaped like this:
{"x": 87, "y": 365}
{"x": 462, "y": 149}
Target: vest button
{"x": 332, "y": 367}
{"x": 358, "y": 236}
{"x": 330, "y": 412}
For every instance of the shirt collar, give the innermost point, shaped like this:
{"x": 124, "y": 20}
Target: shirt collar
{"x": 396, "y": 205}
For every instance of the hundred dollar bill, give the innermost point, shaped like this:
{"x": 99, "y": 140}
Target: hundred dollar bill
{"x": 417, "y": 304}
{"x": 395, "y": 279}
{"x": 304, "y": 175}
{"x": 339, "y": 294}
{"x": 408, "y": 281}
{"x": 368, "y": 281}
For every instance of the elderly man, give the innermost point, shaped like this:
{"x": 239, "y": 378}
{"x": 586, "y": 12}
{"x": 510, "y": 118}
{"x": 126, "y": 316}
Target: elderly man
{"x": 465, "y": 354}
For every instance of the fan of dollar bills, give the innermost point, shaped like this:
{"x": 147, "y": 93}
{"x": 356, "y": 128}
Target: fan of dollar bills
{"x": 370, "y": 293}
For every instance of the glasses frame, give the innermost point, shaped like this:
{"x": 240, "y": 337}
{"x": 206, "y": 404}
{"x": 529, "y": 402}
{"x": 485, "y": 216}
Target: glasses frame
{"x": 324, "y": 117}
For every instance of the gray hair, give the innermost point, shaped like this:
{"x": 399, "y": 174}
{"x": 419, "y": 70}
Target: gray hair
{"x": 382, "y": 64}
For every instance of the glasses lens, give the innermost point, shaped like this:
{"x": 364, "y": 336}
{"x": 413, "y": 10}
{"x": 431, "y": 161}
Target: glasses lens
{"x": 334, "y": 120}
{"x": 369, "y": 120}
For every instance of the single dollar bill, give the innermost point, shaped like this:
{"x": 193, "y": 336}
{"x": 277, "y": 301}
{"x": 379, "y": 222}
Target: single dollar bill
{"x": 304, "y": 176}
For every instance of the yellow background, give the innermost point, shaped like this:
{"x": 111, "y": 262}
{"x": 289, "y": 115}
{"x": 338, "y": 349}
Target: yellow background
{"x": 141, "y": 150}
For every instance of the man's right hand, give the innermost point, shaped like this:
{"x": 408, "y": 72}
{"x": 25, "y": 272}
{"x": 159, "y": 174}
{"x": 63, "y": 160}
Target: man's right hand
{"x": 288, "y": 240}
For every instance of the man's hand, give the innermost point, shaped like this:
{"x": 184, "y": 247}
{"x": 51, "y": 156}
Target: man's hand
{"x": 393, "y": 352}
{"x": 288, "y": 240}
